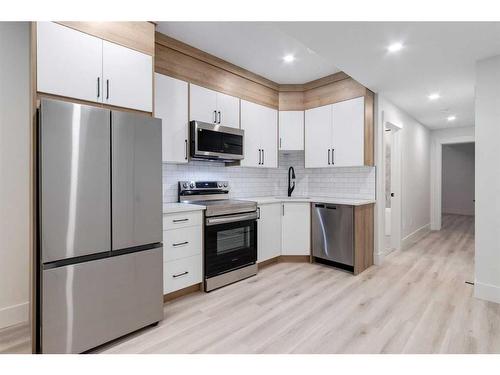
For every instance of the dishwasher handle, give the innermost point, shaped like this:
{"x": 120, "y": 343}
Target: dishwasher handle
{"x": 322, "y": 205}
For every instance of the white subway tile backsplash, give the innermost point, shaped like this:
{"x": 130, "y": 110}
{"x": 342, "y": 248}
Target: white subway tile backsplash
{"x": 354, "y": 182}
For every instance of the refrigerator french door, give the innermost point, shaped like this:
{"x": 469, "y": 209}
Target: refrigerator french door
{"x": 100, "y": 226}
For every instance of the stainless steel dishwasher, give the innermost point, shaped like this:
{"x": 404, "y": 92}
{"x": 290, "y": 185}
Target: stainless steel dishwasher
{"x": 333, "y": 235}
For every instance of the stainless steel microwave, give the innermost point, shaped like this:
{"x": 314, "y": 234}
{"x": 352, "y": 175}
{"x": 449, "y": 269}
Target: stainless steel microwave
{"x": 215, "y": 142}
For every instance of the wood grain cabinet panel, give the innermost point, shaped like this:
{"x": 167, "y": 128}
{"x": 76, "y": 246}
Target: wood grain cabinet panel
{"x": 363, "y": 237}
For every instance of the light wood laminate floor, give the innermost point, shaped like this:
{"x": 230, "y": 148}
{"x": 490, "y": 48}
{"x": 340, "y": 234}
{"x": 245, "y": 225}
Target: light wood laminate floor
{"x": 416, "y": 302}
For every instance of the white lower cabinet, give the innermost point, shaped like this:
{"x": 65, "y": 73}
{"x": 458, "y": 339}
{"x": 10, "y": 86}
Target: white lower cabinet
{"x": 296, "y": 228}
{"x": 182, "y": 250}
{"x": 269, "y": 231}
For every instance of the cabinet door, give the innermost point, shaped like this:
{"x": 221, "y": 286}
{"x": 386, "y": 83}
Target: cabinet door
{"x": 202, "y": 104}
{"x": 268, "y": 231}
{"x": 296, "y": 229}
{"x": 127, "y": 77}
{"x": 251, "y": 119}
{"x": 318, "y": 137}
{"x": 69, "y": 63}
{"x": 269, "y": 136}
{"x": 171, "y": 106}
{"x": 229, "y": 108}
{"x": 349, "y": 133}
{"x": 291, "y": 130}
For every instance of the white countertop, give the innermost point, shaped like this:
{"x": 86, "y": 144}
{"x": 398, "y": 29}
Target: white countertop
{"x": 315, "y": 199}
{"x": 170, "y": 208}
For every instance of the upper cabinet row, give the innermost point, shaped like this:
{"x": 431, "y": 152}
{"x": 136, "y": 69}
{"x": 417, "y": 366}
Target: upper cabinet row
{"x": 77, "y": 65}
{"x": 213, "y": 107}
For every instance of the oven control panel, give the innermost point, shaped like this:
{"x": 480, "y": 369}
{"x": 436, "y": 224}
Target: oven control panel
{"x": 203, "y": 185}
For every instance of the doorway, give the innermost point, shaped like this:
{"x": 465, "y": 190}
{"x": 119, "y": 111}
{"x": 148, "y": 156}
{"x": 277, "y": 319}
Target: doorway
{"x": 457, "y": 179}
{"x": 392, "y": 191}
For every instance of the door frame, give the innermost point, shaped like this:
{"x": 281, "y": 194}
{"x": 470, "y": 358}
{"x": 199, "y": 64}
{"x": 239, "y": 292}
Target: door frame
{"x": 436, "y": 174}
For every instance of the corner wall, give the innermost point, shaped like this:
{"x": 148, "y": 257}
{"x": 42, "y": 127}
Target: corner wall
{"x": 14, "y": 172}
{"x": 487, "y": 121}
{"x": 415, "y": 174}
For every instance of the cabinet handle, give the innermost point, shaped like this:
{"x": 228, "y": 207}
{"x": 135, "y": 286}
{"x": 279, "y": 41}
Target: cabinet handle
{"x": 328, "y": 156}
{"x": 215, "y": 117}
{"x": 186, "y": 149}
{"x": 283, "y": 205}
{"x": 259, "y": 156}
{"x": 98, "y": 87}
{"x": 220, "y": 117}
{"x": 179, "y": 220}
{"x": 180, "y": 274}
{"x": 333, "y": 156}
{"x": 107, "y": 89}
{"x": 263, "y": 157}
{"x": 180, "y": 243}
{"x": 280, "y": 142}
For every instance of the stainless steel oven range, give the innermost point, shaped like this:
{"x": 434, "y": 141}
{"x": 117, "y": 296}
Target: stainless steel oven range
{"x": 230, "y": 232}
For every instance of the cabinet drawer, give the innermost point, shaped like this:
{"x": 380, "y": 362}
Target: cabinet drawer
{"x": 182, "y": 220}
{"x": 181, "y": 273}
{"x": 181, "y": 243}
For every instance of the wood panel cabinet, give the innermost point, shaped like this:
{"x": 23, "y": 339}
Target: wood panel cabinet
{"x": 291, "y": 130}
{"x": 213, "y": 107}
{"x": 269, "y": 231}
{"x": 171, "y": 106}
{"x": 335, "y": 135}
{"x": 261, "y": 135}
{"x": 296, "y": 228}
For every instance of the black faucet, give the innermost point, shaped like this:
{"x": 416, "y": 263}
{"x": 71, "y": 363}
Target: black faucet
{"x": 290, "y": 178}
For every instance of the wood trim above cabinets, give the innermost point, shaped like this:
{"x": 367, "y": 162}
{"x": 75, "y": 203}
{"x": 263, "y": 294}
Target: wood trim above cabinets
{"x": 333, "y": 93}
{"x": 139, "y": 36}
{"x": 179, "y": 65}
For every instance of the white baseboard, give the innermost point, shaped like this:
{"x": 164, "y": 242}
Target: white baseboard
{"x": 15, "y": 314}
{"x": 487, "y": 292}
{"x": 409, "y": 240}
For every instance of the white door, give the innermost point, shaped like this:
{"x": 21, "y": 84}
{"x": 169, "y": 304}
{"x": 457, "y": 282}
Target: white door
{"x": 296, "y": 229}
{"x": 269, "y": 231}
{"x": 318, "y": 137}
{"x": 251, "y": 119}
{"x": 228, "y": 110}
{"x": 291, "y": 130}
{"x": 69, "y": 63}
{"x": 269, "y": 136}
{"x": 127, "y": 77}
{"x": 171, "y": 106}
{"x": 349, "y": 133}
{"x": 202, "y": 104}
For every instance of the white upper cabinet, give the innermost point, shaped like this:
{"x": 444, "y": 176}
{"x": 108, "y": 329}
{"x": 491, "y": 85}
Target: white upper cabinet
{"x": 260, "y": 124}
{"x": 210, "y": 106}
{"x": 202, "y": 104}
{"x": 318, "y": 137}
{"x": 127, "y": 77}
{"x": 228, "y": 110}
{"x": 296, "y": 229}
{"x": 76, "y": 65}
{"x": 269, "y": 231}
{"x": 69, "y": 63}
{"x": 171, "y": 106}
{"x": 348, "y": 133}
{"x": 334, "y": 135}
{"x": 291, "y": 130}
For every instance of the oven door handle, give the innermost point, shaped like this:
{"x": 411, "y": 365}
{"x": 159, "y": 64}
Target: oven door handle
{"x": 230, "y": 219}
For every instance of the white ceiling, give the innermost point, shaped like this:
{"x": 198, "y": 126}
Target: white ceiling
{"x": 437, "y": 57}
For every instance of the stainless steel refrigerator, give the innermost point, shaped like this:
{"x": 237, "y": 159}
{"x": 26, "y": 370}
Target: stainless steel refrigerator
{"x": 99, "y": 253}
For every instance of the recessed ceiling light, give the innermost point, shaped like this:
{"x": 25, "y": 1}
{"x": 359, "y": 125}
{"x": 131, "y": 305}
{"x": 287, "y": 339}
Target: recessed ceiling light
{"x": 288, "y": 58}
{"x": 451, "y": 118}
{"x": 395, "y": 47}
{"x": 434, "y": 96}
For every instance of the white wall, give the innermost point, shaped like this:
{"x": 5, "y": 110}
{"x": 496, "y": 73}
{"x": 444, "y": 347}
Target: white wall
{"x": 14, "y": 172}
{"x": 458, "y": 179}
{"x": 487, "y": 231}
{"x": 415, "y": 167}
{"x": 439, "y": 138}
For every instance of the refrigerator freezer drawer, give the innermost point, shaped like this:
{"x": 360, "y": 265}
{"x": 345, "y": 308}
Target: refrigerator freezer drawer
{"x": 88, "y": 304}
